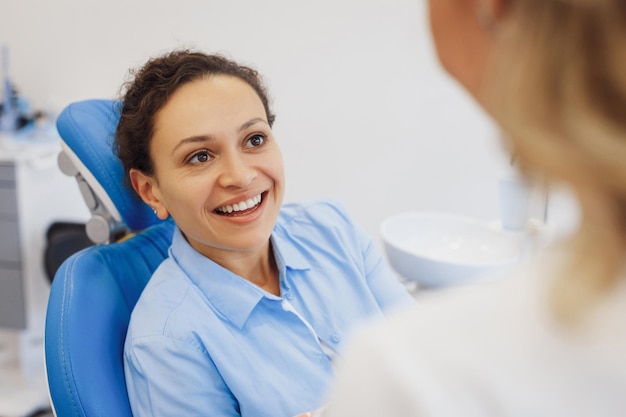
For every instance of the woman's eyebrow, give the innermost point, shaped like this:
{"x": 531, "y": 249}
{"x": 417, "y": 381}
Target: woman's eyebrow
{"x": 252, "y": 122}
{"x": 209, "y": 138}
{"x": 193, "y": 139}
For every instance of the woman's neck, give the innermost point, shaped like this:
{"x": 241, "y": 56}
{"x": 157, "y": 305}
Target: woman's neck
{"x": 257, "y": 266}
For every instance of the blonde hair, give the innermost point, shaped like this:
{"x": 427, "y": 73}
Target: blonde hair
{"x": 558, "y": 89}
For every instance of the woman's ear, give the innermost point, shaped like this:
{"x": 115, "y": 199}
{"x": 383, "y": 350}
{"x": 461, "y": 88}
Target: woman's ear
{"x": 148, "y": 189}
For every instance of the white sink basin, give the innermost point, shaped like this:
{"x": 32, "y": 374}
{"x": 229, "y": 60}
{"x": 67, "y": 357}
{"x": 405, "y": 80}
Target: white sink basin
{"x": 438, "y": 249}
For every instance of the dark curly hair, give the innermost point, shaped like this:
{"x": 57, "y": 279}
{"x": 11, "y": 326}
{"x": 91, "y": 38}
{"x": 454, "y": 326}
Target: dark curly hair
{"x": 151, "y": 87}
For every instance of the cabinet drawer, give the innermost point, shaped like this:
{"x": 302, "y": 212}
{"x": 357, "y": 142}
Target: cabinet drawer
{"x": 8, "y": 203}
{"x": 9, "y": 241}
{"x": 7, "y": 172}
{"x": 12, "y": 305}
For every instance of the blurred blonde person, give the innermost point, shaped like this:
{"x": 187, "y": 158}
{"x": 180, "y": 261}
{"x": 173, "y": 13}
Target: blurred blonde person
{"x": 551, "y": 339}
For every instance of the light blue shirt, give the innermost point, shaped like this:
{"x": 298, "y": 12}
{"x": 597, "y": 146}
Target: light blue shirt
{"x": 203, "y": 341}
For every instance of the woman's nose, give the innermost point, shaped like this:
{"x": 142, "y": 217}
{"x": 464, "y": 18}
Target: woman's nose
{"x": 236, "y": 171}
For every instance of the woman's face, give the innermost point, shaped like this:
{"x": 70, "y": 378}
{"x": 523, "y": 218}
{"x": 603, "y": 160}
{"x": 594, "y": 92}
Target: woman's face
{"x": 218, "y": 170}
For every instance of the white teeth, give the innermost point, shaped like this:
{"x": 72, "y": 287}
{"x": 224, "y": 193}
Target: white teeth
{"x": 242, "y": 205}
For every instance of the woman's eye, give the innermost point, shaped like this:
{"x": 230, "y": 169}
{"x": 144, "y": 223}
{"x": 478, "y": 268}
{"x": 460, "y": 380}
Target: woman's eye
{"x": 199, "y": 157}
{"x": 256, "y": 141}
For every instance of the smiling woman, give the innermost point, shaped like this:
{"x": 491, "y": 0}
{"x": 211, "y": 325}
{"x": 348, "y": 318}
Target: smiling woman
{"x": 247, "y": 314}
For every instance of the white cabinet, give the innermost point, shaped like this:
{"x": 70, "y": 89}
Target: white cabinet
{"x": 33, "y": 194}
{"x": 12, "y": 307}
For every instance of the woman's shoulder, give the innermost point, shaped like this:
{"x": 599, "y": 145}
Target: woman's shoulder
{"x": 163, "y": 297}
{"x": 495, "y": 312}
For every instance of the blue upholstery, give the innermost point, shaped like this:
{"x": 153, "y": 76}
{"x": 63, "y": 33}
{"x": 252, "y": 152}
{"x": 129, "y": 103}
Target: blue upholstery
{"x": 94, "y": 291}
{"x": 88, "y": 128}
{"x": 92, "y": 296}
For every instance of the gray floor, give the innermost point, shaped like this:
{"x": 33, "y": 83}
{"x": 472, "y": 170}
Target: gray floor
{"x": 23, "y": 389}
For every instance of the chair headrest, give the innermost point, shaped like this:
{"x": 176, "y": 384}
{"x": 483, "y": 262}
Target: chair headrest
{"x": 87, "y": 129}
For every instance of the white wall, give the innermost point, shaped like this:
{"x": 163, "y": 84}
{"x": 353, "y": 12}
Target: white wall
{"x": 364, "y": 112}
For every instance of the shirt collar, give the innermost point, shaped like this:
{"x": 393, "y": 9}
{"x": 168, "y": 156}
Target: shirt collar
{"x": 232, "y": 296}
{"x": 287, "y": 253}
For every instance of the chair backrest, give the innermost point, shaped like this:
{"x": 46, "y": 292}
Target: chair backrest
{"x": 87, "y": 130}
{"x": 94, "y": 290}
{"x": 91, "y": 298}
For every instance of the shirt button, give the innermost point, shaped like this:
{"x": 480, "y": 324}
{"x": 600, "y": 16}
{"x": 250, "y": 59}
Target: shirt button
{"x": 288, "y": 296}
{"x": 335, "y": 338}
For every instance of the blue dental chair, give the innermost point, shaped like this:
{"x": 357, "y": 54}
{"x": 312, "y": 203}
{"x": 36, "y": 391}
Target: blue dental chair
{"x": 94, "y": 291}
